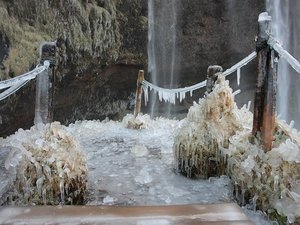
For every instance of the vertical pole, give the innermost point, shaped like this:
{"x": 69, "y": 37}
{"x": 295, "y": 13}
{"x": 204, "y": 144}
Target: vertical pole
{"x": 265, "y": 94}
{"x": 45, "y": 85}
{"x": 138, "y": 93}
{"x": 264, "y": 28}
{"x": 212, "y": 76}
{"x": 269, "y": 110}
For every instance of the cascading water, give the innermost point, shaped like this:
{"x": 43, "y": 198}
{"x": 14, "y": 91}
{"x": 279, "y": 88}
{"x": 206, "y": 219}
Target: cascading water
{"x": 286, "y": 29}
{"x": 162, "y": 45}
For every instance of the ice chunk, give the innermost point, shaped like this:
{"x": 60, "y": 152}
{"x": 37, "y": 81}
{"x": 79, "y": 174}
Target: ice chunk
{"x": 248, "y": 164}
{"x": 144, "y": 177}
{"x": 264, "y": 16}
{"x": 289, "y": 151}
{"x": 139, "y": 150}
{"x": 108, "y": 200}
{"x": 13, "y": 158}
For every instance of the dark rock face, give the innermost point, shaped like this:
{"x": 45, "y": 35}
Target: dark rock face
{"x": 104, "y": 44}
{"x": 217, "y": 33}
{"x": 4, "y": 49}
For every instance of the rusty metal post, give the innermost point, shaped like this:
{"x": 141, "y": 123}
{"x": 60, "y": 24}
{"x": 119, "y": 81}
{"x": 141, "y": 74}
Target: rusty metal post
{"x": 45, "y": 84}
{"x": 212, "y": 76}
{"x": 138, "y": 93}
{"x": 265, "y": 94}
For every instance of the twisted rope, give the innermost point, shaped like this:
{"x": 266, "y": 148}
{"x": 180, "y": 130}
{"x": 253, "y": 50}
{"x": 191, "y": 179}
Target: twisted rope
{"x": 24, "y": 77}
{"x": 170, "y": 95}
{"x": 16, "y": 83}
{"x": 12, "y": 89}
{"x": 284, "y": 54}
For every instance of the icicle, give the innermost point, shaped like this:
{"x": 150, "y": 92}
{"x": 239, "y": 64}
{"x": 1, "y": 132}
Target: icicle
{"x": 62, "y": 191}
{"x": 39, "y": 184}
{"x": 236, "y": 92}
{"x": 160, "y": 95}
{"x": 145, "y": 90}
{"x": 39, "y": 172}
{"x": 249, "y": 105}
{"x": 254, "y": 200}
{"x": 238, "y": 73}
{"x": 44, "y": 194}
{"x": 47, "y": 172}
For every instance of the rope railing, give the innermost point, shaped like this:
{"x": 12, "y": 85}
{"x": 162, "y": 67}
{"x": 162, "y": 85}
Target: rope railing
{"x": 12, "y": 89}
{"x": 45, "y": 83}
{"x": 24, "y": 77}
{"x": 170, "y": 95}
{"x": 284, "y": 54}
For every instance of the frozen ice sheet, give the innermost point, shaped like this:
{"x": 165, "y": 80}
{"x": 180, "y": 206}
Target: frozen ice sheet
{"x": 121, "y": 175}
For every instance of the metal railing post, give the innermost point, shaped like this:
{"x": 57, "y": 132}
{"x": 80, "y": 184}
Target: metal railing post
{"x": 45, "y": 84}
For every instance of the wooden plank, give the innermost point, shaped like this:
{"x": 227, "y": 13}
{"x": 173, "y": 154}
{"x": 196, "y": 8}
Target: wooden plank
{"x": 222, "y": 214}
{"x": 264, "y": 29}
{"x": 269, "y": 110}
{"x": 265, "y": 95}
{"x": 259, "y": 91}
{"x": 138, "y": 94}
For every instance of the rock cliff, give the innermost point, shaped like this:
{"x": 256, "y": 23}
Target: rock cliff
{"x": 103, "y": 44}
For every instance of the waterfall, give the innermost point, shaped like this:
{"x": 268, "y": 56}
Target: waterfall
{"x": 161, "y": 46}
{"x": 286, "y": 29}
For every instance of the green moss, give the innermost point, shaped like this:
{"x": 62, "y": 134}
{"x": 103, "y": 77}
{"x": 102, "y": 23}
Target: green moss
{"x": 85, "y": 28}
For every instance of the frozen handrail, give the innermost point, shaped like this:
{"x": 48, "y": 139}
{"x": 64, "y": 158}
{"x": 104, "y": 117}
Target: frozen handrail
{"x": 25, "y": 77}
{"x": 284, "y": 54}
{"x": 170, "y": 95}
{"x": 240, "y": 64}
{"x": 12, "y": 89}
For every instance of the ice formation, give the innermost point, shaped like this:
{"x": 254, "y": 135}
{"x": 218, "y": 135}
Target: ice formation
{"x": 135, "y": 166}
{"x": 270, "y": 181}
{"x": 216, "y": 134}
{"x": 47, "y": 166}
{"x": 207, "y": 128}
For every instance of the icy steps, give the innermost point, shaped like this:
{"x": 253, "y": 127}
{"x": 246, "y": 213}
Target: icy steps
{"x": 221, "y": 214}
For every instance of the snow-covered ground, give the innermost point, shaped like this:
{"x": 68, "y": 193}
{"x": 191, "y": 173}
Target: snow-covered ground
{"x": 135, "y": 166}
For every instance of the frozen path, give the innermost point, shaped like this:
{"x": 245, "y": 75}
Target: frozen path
{"x": 135, "y": 167}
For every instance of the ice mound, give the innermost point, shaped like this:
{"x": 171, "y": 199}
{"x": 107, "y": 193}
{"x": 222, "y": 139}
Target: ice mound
{"x": 271, "y": 180}
{"x": 216, "y": 138}
{"x": 139, "y": 122}
{"x": 47, "y": 166}
{"x": 206, "y": 130}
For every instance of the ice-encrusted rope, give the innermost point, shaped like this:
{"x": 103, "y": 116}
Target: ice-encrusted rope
{"x": 12, "y": 89}
{"x": 15, "y": 84}
{"x": 24, "y": 77}
{"x": 284, "y": 54}
{"x": 170, "y": 95}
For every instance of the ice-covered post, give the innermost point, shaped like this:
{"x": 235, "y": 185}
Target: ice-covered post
{"x": 265, "y": 94}
{"x": 138, "y": 93}
{"x": 45, "y": 85}
{"x": 212, "y": 76}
